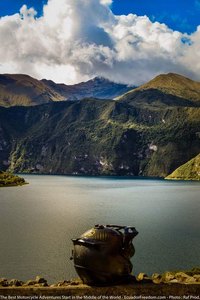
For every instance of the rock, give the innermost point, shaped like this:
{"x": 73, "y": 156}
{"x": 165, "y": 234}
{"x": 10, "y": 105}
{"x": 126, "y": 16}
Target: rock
{"x": 40, "y": 285}
{"x": 184, "y": 278}
{"x": 197, "y": 277}
{"x": 59, "y": 284}
{"x": 15, "y": 282}
{"x": 190, "y": 280}
{"x": 30, "y": 282}
{"x": 143, "y": 277}
{"x": 3, "y": 282}
{"x": 156, "y": 278}
{"x": 39, "y": 279}
{"x": 63, "y": 283}
{"x": 173, "y": 281}
{"x": 167, "y": 277}
{"x": 75, "y": 282}
{"x": 194, "y": 271}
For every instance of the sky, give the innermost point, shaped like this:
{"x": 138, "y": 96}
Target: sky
{"x": 128, "y": 41}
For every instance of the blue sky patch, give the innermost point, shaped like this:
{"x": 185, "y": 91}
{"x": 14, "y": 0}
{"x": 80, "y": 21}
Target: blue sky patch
{"x": 181, "y": 15}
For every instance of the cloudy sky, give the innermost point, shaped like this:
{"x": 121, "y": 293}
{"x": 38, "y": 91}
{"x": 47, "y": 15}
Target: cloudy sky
{"x": 128, "y": 41}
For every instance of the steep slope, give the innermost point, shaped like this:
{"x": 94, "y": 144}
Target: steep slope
{"x": 166, "y": 90}
{"x": 188, "y": 171}
{"x": 24, "y": 90}
{"x": 98, "y": 138}
{"x": 96, "y": 88}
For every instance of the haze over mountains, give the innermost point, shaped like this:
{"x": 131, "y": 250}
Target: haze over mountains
{"x": 149, "y": 131}
{"x": 24, "y": 90}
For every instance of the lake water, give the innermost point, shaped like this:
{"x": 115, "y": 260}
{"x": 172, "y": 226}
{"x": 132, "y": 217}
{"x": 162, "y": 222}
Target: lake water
{"x": 38, "y": 221}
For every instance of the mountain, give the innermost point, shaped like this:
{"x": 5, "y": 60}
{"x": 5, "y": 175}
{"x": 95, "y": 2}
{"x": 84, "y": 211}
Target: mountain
{"x": 165, "y": 90}
{"x": 95, "y": 88}
{"x": 92, "y": 137}
{"x": 148, "y": 132}
{"x": 23, "y": 90}
{"x": 188, "y": 171}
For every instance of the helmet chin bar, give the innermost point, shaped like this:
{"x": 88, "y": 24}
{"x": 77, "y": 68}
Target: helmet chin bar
{"x": 102, "y": 254}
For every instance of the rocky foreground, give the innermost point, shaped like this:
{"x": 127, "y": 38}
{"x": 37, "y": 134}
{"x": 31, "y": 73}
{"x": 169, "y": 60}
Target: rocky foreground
{"x": 170, "y": 283}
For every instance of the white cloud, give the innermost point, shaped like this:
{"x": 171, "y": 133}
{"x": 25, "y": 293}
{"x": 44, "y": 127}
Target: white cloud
{"x": 27, "y": 13}
{"x": 75, "y": 40}
{"x": 106, "y": 2}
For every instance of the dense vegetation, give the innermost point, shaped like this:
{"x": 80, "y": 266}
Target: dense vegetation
{"x": 98, "y": 137}
{"x": 8, "y": 179}
{"x": 124, "y": 137}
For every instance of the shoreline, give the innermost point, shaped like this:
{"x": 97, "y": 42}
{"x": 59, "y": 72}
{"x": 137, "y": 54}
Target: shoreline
{"x": 117, "y": 177}
{"x": 177, "y": 282}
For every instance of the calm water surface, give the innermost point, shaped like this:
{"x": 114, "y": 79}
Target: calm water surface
{"x": 38, "y": 221}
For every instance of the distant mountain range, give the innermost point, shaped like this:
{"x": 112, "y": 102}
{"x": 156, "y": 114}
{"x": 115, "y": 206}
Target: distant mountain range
{"x": 95, "y": 88}
{"x": 23, "y": 90}
{"x": 149, "y": 131}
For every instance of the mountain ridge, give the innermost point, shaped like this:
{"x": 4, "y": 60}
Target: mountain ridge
{"x": 171, "y": 87}
{"x": 22, "y": 89}
{"x": 97, "y": 87}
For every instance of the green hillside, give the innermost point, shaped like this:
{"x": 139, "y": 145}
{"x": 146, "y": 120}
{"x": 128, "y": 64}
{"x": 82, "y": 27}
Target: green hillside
{"x": 98, "y": 138}
{"x": 8, "y": 179}
{"x": 188, "y": 171}
{"x": 166, "y": 89}
{"x": 147, "y": 132}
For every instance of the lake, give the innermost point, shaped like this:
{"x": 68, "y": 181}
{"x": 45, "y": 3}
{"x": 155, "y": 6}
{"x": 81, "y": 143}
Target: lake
{"x": 38, "y": 221}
